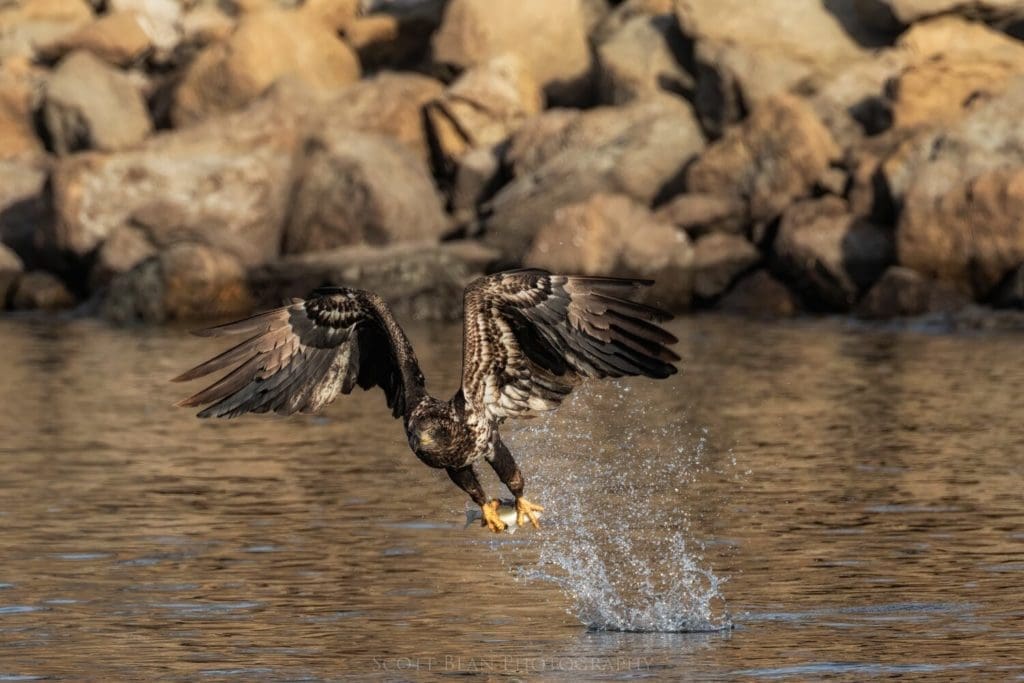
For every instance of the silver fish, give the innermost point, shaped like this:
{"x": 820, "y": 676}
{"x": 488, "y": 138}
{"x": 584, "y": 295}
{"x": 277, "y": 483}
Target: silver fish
{"x": 506, "y": 513}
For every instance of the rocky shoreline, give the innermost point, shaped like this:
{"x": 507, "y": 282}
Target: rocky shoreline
{"x": 170, "y": 160}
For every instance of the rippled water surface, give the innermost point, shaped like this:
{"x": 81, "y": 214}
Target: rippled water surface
{"x": 848, "y": 499}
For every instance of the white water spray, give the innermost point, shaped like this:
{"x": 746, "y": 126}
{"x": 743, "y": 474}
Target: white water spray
{"x": 616, "y": 525}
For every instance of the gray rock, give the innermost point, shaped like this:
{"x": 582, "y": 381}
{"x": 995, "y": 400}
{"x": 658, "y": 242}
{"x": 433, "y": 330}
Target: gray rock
{"x": 91, "y": 105}
{"x": 718, "y": 260}
{"x": 421, "y": 281}
{"x": 39, "y": 290}
{"x": 359, "y": 188}
{"x": 830, "y": 255}
{"x": 759, "y": 295}
{"x": 638, "y": 150}
{"x": 611, "y": 234}
{"x": 640, "y": 58}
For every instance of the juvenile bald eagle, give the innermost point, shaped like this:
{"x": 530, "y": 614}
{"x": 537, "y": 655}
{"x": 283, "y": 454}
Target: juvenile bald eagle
{"x": 528, "y": 338}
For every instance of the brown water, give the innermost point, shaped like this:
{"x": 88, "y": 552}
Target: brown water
{"x": 850, "y": 498}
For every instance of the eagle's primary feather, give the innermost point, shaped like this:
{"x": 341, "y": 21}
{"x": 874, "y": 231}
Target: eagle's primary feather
{"x": 529, "y": 337}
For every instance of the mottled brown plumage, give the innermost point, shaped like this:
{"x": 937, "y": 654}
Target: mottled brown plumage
{"x": 529, "y": 337}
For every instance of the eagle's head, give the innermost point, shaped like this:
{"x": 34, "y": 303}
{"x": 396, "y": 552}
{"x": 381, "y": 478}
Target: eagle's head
{"x": 436, "y": 432}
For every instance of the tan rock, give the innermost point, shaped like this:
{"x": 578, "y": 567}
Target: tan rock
{"x": 36, "y": 22}
{"x": 91, "y": 105}
{"x": 19, "y": 84}
{"x": 772, "y": 158}
{"x": 718, "y": 260}
{"x": 483, "y": 107}
{"x": 361, "y": 188}
{"x": 225, "y": 183}
{"x": 39, "y": 290}
{"x": 187, "y": 281}
{"x": 611, "y": 234}
{"x": 160, "y": 19}
{"x": 892, "y": 15}
{"x": 390, "y": 103}
{"x": 336, "y": 15}
{"x": 747, "y": 52}
{"x": 117, "y": 38}
{"x": 638, "y": 150}
{"x": 549, "y": 37}
{"x": 612, "y": 21}
{"x": 970, "y": 235}
{"x": 265, "y": 47}
{"x": 641, "y": 58}
{"x": 701, "y": 214}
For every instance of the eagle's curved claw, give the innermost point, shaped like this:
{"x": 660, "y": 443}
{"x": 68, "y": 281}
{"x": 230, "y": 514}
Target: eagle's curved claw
{"x": 527, "y": 510}
{"x": 491, "y": 520}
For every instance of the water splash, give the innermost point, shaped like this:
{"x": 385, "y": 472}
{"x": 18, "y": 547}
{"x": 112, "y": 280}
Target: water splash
{"x": 617, "y": 528}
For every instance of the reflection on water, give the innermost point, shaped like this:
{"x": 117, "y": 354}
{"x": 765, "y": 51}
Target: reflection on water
{"x": 860, "y": 490}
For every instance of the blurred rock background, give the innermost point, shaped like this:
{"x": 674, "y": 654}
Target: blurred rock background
{"x": 177, "y": 159}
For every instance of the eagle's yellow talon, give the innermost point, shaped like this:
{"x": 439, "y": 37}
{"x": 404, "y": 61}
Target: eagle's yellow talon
{"x": 527, "y": 510}
{"x": 491, "y": 520}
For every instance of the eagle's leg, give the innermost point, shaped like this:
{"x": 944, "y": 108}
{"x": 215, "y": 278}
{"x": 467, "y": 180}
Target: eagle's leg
{"x": 465, "y": 479}
{"x": 508, "y": 471}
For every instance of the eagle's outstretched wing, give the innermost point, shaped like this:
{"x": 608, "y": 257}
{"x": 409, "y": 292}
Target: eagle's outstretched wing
{"x": 301, "y": 356}
{"x": 529, "y": 336}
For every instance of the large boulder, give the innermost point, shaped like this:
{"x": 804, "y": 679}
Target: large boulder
{"x": 186, "y": 281}
{"x": 904, "y": 292}
{"x": 361, "y": 188}
{"x": 91, "y": 105}
{"x": 718, "y": 260}
{"x": 642, "y": 57}
{"x": 610, "y": 234}
{"x": 830, "y": 255}
{"x": 419, "y": 280}
{"x": 264, "y": 47}
{"x": 549, "y": 37}
{"x": 951, "y": 62}
{"x": 774, "y": 157}
{"x": 747, "y": 52}
{"x": 971, "y": 234}
{"x": 225, "y": 183}
{"x": 389, "y": 103}
{"x": 639, "y": 150}
{"x": 483, "y": 107}
{"x": 119, "y": 38}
